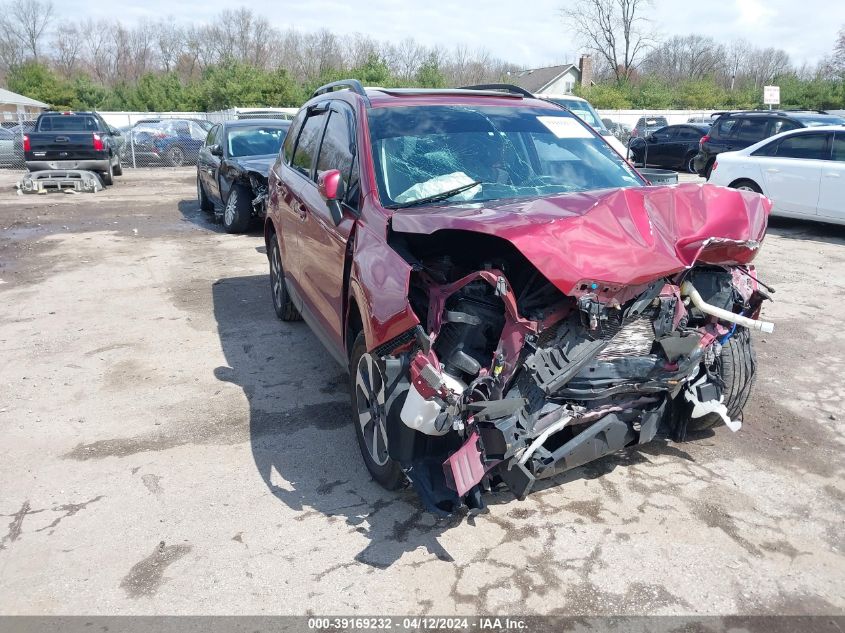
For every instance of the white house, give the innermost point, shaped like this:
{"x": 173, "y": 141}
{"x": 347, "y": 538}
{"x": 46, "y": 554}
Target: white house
{"x": 14, "y": 106}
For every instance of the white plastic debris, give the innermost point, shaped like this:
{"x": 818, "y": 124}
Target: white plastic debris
{"x": 439, "y": 184}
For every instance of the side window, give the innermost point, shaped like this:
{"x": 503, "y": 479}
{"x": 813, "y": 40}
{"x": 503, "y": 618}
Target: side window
{"x": 665, "y": 133}
{"x": 336, "y": 152}
{"x": 308, "y": 143}
{"x": 724, "y": 128}
{"x": 209, "y": 139}
{"x": 751, "y": 130}
{"x": 290, "y": 139}
{"x": 806, "y": 146}
{"x": 690, "y": 134}
{"x": 218, "y": 135}
{"x": 839, "y": 147}
{"x": 783, "y": 126}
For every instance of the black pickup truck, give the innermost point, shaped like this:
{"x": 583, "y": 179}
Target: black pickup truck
{"x": 73, "y": 140}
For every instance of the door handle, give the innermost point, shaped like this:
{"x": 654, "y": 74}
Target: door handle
{"x": 772, "y": 170}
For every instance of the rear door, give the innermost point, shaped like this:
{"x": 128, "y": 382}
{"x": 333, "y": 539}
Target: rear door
{"x": 832, "y": 184}
{"x": 793, "y": 170}
{"x": 205, "y": 165}
{"x": 295, "y": 191}
{"x": 322, "y": 244}
{"x": 660, "y": 145}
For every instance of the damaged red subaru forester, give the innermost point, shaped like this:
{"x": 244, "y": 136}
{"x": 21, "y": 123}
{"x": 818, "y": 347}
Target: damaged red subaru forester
{"x": 510, "y": 297}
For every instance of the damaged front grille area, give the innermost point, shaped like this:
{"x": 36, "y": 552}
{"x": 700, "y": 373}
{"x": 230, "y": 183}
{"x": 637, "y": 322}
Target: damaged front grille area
{"x": 507, "y": 399}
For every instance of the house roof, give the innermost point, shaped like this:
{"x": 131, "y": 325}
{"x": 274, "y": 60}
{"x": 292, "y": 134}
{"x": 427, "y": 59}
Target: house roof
{"x": 535, "y": 79}
{"x": 13, "y": 98}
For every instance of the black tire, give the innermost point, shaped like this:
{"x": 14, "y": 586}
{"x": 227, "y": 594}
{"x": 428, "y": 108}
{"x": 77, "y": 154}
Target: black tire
{"x": 737, "y": 366}
{"x": 369, "y": 416}
{"x": 237, "y": 213}
{"x": 205, "y": 203}
{"x": 282, "y": 303}
{"x": 688, "y": 165}
{"x": 118, "y": 168}
{"x": 709, "y": 169}
{"x": 746, "y": 185}
{"x": 175, "y": 156}
{"x": 108, "y": 176}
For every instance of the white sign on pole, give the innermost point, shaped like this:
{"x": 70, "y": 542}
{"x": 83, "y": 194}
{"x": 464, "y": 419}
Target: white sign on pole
{"x": 771, "y": 95}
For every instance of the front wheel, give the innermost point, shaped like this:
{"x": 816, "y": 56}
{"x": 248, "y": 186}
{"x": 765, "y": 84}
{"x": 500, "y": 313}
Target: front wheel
{"x": 736, "y": 366}
{"x": 369, "y": 416}
{"x": 238, "y": 211}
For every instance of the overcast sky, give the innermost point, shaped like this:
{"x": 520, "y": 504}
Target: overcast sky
{"x": 528, "y": 33}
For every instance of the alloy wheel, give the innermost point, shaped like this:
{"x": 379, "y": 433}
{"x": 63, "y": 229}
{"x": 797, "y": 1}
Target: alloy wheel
{"x": 231, "y": 203}
{"x": 372, "y": 416}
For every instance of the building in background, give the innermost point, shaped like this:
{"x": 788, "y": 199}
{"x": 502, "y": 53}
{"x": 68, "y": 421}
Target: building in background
{"x": 557, "y": 80}
{"x": 14, "y": 107}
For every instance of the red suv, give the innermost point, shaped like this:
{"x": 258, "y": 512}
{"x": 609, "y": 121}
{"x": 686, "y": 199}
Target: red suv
{"x": 509, "y": 296}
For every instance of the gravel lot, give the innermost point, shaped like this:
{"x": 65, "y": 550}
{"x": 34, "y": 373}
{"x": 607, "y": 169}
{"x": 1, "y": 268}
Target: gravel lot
{"x": 168, "y": 446}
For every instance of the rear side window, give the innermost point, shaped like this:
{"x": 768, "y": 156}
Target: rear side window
{"x": 69, "y": 123}
{"x": 784, "y": 126}
{"x": 805, "y": 146}
{"x": 690, "y": 134}
{"x": 751, "y": 130}
{"x": 723, "y": 128}
{"x": 305, "y": 154}
{"x": 290, "y": 139}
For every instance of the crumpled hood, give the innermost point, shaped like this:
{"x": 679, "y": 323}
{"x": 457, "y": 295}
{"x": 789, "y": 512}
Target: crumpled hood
{"x": 258, "y": 164}
{"x": 621, "y": 237}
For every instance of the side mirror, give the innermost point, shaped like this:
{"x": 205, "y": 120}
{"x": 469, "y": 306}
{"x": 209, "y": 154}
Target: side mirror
{"x": 331, "y": 188}
{"x": 215, "y": 150}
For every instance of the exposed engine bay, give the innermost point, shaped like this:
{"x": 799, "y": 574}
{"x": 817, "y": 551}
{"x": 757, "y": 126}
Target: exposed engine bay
{"x": 508, "y": 380}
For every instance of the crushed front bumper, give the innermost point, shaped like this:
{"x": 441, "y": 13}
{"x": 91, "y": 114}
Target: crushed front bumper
{"x": 60, "y": 180}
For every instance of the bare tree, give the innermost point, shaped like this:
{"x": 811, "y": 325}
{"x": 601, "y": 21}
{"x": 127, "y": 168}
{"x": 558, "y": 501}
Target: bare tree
{"x": 685, "y": 57}
{"x": 614, "y": 29}
{"x": 67, "y": 48}
{"x": 26, "y": 21}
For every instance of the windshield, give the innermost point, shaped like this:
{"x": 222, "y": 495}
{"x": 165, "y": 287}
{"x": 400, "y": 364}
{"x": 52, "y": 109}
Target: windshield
{"x": 584, "y": 110}
{"x": 255, "y": 141}
{"x": 424, "y": 151}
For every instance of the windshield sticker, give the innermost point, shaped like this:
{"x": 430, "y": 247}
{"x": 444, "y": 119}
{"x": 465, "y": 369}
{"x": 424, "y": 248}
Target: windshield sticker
{"x": 564, "y": 127}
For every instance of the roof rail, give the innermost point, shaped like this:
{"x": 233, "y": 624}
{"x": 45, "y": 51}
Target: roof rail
{"x": 501, "y": 87}
{"x": 806, "y": 110}
{"x": 350, "y": 84}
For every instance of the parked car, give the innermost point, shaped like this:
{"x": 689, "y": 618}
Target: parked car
{"x": 648, "y": 125}
{"x": 619, "y": 130}
{"x": 73, "y": 140}
{"x": 586, "y": 112}
{"x": 737, "y": 130}
{"x": 801, "y": 171}
{"x": 175, "y": 142}
{"x": 233, "y": 165}
{"x": 11, "y": 148}
{"x": 671, "y": 147}
{"x": 510, "y": 298}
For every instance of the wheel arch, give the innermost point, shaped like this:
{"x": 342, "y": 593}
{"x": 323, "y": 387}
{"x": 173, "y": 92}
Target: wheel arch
{"x": 735, "y": 183}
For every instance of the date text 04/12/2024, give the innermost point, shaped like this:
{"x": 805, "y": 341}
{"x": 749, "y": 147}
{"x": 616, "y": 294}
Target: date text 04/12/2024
{"x": 418, "y": 623}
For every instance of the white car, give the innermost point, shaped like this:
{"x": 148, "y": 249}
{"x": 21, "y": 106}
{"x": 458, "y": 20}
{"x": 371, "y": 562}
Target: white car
{"x": 802, "y": 172}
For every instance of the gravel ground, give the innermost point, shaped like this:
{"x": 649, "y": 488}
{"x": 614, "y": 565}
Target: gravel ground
{"x": 170, "y": 447}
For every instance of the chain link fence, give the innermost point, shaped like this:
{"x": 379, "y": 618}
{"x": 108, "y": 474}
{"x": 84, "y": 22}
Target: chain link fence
{"x": 146, "y": 139}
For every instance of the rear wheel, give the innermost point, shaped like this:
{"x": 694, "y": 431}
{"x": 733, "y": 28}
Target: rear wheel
{"x": 282, "y": 303}
{"x": 175, "y": 156}
{"x": 736, "y": 366}
{"x": 238, "y": 211}
{"x": 369, "y": 414}
{"x": 689, "y": 163}
{"x": 108, "y": 176}
{"x": 205, "y": 203}
{"x": 746, "y": 185}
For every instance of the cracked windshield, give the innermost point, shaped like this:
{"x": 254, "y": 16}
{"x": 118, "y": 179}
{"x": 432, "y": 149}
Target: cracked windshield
{"x": 482, "y": 154}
